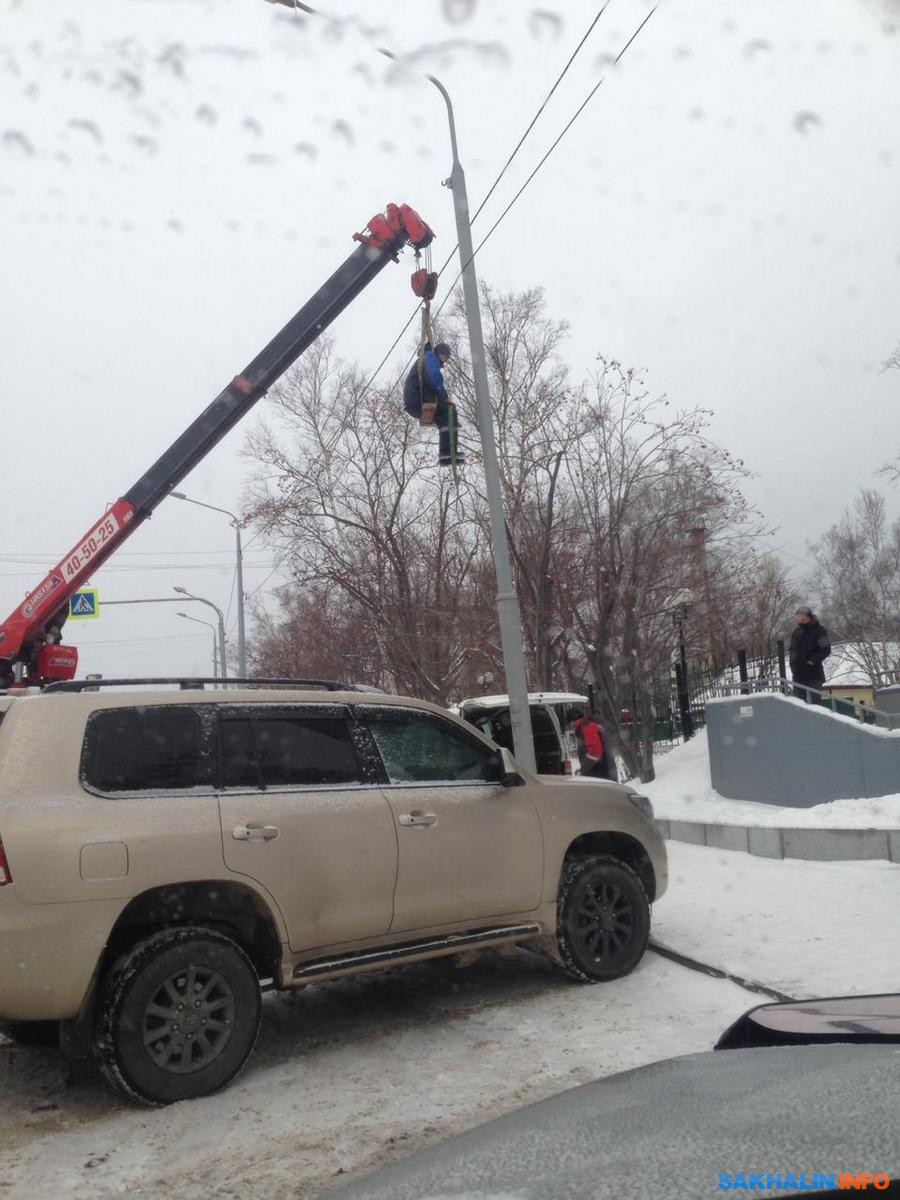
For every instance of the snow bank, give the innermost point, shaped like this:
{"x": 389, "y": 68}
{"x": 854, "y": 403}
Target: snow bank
{"x": 682, "y": 791}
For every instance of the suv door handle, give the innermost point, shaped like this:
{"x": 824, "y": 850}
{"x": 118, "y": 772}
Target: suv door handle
{"x": 254, "y": 833}
{"x": 417, "y": 820}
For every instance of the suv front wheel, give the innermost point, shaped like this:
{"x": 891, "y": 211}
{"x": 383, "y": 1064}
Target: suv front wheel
{"x": 178, "y": 1016}
{"x": 603, "y": 919}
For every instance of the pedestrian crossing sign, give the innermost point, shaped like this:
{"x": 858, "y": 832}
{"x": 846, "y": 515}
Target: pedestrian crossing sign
{"x": 84, "y": 605}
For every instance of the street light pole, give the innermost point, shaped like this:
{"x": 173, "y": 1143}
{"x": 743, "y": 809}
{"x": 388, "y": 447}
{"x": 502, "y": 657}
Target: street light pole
{"x": 239, "y": 576}
{"x": 507, "y": 601}
{"x": 509, "y": 617}
{"x": 175, "y": 600}
{"x": 223, "y": 666}
{"x": 209, "y": 625}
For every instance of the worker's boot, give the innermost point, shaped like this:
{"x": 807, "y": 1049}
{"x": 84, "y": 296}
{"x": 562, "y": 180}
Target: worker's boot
{"x": 448, "y": 448}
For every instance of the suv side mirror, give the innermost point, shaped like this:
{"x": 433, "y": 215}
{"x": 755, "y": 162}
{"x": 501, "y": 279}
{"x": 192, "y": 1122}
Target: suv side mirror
{"x": 510, "y": 775}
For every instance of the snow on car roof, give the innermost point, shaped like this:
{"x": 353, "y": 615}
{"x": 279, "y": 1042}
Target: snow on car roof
{"x": 533, "y": 698}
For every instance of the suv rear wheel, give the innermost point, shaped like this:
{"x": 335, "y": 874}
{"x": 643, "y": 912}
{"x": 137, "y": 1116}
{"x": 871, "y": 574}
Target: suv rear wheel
{"x": 603, "y": 919}
{"x": 178, "y": 1016}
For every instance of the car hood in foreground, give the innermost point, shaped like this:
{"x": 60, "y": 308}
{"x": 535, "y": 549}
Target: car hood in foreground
{"x": 673, "y": 1129}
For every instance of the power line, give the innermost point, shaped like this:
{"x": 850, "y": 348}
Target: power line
{"x": 493, "y": 187}
{"x": 560, "y": 77}
{"x": 553, "y": 146}
{"x": 565, "y": 130}
{"x": 226, "y": 566}
{"x": 38, "y": 556}
{"x": 250, "y": 595}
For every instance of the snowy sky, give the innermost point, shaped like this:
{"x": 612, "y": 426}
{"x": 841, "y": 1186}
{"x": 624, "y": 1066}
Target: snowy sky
{"x": 177, "y": 177}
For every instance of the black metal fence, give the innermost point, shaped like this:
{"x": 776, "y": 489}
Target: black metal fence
{"x": 669, "y": 709}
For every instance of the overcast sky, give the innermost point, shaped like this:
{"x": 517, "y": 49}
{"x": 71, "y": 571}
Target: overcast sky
{"x": 178, "y": 176}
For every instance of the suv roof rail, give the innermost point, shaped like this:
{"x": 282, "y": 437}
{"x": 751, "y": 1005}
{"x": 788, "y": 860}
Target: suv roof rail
{"x": 187, "y": 682}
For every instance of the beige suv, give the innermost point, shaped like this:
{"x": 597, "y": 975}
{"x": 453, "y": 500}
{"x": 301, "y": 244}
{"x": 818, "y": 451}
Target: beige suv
{"x": 165, "y": 855}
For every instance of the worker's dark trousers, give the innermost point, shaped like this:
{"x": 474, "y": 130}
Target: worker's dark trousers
{"x": 448, "y": 441}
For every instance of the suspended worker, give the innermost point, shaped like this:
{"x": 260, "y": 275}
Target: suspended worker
{"x": 425, "y": 396}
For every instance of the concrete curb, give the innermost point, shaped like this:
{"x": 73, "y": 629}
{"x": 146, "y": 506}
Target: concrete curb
{"x": 766, "y": 841}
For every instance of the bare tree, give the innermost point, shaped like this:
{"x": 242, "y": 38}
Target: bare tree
{"x": 857, "y": 579}
{"x": 642, "y": 477}
{"x": 532, "y": 403}
{"x": 316, "y": 633}
{"x": 344, "y": 489}
{"x": 762, "y": 603}
{"x": 610, "y": 496}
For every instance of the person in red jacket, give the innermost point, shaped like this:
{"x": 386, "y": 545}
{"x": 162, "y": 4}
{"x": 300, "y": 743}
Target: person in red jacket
{"x": 595, "y": 758}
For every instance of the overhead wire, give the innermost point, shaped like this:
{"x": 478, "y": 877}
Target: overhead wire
{"x": 552, "y": 147}
{"x": 493, "y": 187}
{"x": 250, "y": 595}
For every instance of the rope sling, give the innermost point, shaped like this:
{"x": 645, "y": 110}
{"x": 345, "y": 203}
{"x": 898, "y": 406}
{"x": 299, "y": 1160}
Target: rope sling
{"x": 424, "y": 284}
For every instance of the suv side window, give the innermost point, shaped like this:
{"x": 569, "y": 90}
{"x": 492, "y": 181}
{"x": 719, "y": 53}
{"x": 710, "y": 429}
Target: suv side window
{"x": 420, "y": 747}
{"x": 238, "y": 764}
{"x": 277, "y": 749}
{"x": 145, "y": 749}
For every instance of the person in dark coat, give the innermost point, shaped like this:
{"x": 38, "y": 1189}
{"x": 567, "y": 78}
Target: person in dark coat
{"x": 810, "y": 647}
{"x": 596, "y": 759}
{"x": 435, "y": 391}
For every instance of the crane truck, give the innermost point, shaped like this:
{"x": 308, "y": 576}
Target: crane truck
{"x": 32, "y": 653}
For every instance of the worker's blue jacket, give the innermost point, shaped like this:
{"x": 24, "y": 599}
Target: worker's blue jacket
{"x": 433, "y": 379}
{"x": 434, "y": 376}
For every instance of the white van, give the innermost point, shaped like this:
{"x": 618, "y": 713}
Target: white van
{"x": 555, "y": 748}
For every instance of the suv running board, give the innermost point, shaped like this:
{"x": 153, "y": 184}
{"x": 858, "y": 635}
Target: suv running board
{"x": 394, "y": 954}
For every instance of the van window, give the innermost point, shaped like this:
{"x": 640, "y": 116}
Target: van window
{"x": 547, "y": 748}
{"x": 145, "y": 749}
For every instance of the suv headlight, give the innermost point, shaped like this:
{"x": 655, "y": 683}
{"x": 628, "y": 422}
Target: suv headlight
{"x": 643, "y": 803}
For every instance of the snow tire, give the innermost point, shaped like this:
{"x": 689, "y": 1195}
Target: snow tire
{"x": 603, "y": 919}
{"x": 178, "y": 1016}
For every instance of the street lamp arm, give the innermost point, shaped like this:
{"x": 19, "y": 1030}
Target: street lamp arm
{"x": 203, "y": 504}
{"x": 202, "y": 600}
{"x": 449, "y": 103}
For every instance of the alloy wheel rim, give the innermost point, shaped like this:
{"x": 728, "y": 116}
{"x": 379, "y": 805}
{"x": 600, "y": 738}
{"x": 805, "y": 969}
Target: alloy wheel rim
{"x": 604, "y": 921}
{"x": 189, "y": 1020}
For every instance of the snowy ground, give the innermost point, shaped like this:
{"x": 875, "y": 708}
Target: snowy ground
{"x": 805, "y": 928}
{"x": 682, "y": 792}
{"x": 349, "y": 1075}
